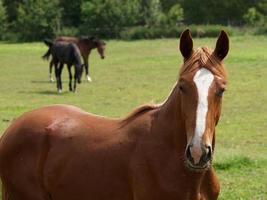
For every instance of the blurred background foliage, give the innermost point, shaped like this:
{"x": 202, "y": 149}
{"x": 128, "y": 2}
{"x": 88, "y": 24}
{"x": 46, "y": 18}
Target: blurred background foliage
{"x": 33, "y": 20}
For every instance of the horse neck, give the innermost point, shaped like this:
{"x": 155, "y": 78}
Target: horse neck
{"x": 169, "y": 118}
{"x": 88, "y": 46}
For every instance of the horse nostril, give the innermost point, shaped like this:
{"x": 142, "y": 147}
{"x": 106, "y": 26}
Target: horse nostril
{"x": 208, "y": 154}
{"x": 188, "y": 153}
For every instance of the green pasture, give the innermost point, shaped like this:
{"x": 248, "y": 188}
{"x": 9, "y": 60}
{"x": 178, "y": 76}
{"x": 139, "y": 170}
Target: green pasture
{"x": 143, "y": 71}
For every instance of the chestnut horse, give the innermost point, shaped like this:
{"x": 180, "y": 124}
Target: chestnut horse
{"x": 85, "y": 44}
{"x": 157, "y": 152}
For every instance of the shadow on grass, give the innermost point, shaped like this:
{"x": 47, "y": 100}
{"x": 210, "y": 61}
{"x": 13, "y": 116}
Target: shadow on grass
{"x": 41, "y": 82}
{"x": 46, "y": 92}
{"x": 5, "y": 120}
{"x": 49, "y": 92}
{"x": 235, "y": 163}
{"x": 47, "y": 82}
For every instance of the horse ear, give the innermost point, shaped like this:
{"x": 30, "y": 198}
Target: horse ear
{"x": 222, "y": 45}
{"x": 186, "y": 44}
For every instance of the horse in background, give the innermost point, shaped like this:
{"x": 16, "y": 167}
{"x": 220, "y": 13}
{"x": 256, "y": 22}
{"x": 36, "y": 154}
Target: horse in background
{"x": 85, "y": 44}
{"x": 156, "y": 152}
{"x": 65, "y": 53}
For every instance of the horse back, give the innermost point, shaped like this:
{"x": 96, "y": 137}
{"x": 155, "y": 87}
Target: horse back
{"x": 67, "y": 39}
{"x": 84, "y": 45}
{"x": 65, "y": 52}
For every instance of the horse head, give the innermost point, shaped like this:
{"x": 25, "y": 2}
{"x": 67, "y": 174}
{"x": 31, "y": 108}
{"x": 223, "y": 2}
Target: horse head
{"x": 79, "y": 72}
{"x": 100, "y": 45}
{"x": 201, "y": 85}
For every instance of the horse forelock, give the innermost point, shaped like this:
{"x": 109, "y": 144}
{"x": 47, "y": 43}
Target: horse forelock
{"x": 204, "y": 57}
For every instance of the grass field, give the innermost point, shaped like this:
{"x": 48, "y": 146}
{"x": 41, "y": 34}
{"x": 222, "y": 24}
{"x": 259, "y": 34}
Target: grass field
{"x": 137, "y": 72}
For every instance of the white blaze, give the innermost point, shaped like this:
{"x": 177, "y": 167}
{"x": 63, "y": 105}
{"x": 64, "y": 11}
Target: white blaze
{"x": 203, "y": 80}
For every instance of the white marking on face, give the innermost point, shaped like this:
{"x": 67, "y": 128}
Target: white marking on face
{"x": 203, "y": 80}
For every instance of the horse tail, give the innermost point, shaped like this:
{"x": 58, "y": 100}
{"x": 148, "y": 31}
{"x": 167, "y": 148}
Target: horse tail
{"x": 49, "y": 43}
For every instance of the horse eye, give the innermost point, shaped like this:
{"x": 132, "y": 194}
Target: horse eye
{"x": 181, "y": 88}
{"x": 220, "y": 92}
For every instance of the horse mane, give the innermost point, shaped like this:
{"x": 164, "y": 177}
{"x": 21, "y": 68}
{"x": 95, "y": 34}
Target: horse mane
{"x": 139, "y": 111}
{"x": 89, "y": 38}
{"x": 205, "y": 58}
{"x": 93, "y": 39}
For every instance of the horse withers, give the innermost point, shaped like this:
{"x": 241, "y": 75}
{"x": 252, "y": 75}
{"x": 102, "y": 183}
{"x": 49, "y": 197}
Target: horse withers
{"x": 65, "y": 53}
{"x": 157, "y": 152}
{"x": 85, "y": 44}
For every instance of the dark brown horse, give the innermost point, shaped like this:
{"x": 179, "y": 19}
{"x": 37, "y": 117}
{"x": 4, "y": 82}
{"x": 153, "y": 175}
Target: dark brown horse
{"x": 65, "y": 53}
{"x": 157, "y": 152}
{"x": 85, "y": 44}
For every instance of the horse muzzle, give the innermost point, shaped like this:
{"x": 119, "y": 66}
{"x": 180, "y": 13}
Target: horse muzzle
{"x": 198, "y": 158}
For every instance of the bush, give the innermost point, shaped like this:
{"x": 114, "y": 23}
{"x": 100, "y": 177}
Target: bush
{"x": 261, "y": 30}
{"x": 68, "y": 31}
{"x": 253, "y": 17}
{"x": 37, "y": 19}
{"x": 2, "y": 20}
{"x": 140, "y": 32}
{"x": 150, "y": 12}
{"x": 176, "y": 13}
{"x": 108, "y": 16}
{"x": 173, "y": 31}
{"x": 209, "y": 30}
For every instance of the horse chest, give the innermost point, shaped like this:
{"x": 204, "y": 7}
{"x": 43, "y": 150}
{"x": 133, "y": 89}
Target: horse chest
{"x": 161, "y": 174}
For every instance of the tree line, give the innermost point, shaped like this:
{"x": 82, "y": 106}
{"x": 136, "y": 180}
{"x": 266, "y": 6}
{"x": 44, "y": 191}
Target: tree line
{"x": 32, "y": 20}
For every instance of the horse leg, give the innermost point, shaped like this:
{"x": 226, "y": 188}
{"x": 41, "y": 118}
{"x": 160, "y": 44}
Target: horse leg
{"x": 60, "y": 72}
{"x": 50, "y": 71}
{"x": 75, "y": 81}
{"x": 76, "y": 77}
{"x": 86, "y": 64}
{"x": 70, "y": 77}
{"x": 57, "y": 77}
